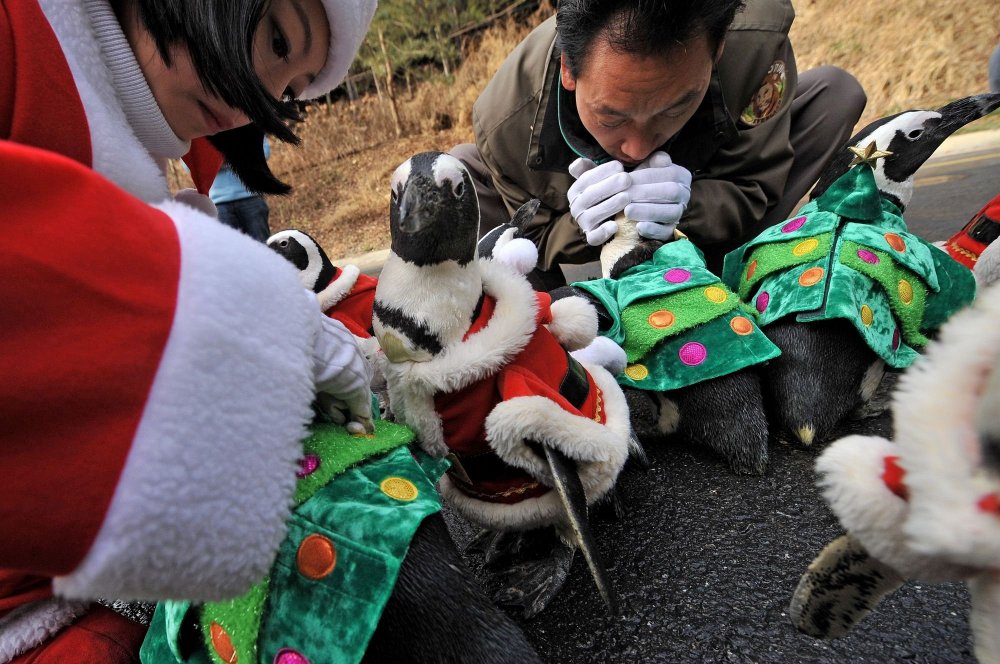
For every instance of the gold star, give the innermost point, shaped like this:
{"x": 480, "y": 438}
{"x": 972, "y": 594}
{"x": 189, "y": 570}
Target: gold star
{"x": 868, "y": 155}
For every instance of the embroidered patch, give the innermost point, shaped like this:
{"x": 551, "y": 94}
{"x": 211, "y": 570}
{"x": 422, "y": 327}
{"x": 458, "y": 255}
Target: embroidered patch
{"x": 767, "y": 100}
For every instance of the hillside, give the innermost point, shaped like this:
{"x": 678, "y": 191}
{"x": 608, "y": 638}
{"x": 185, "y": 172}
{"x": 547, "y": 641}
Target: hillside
{"x": 906, "y": 53}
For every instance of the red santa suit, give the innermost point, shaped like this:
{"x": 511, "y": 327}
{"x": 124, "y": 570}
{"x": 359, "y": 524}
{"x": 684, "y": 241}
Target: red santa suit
{"x": 154, "y": 362}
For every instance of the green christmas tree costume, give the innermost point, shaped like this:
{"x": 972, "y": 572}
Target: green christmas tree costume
{"x": 359, "y": 501}
{"x": 677, "y": 322}
{"x": 848, "y": 254}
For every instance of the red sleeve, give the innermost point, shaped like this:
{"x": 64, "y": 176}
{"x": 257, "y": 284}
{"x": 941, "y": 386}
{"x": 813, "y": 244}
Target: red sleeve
{"x": 90, "y": 277}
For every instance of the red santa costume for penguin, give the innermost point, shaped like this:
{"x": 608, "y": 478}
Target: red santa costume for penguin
{"x": 154, "y": 361}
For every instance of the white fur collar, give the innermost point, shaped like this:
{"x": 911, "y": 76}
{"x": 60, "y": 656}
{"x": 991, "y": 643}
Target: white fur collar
{"x": 339, "y": 287}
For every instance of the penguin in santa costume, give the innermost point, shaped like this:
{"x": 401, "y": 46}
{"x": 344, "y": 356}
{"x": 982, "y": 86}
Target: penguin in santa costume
{"x": 478, "y": 364}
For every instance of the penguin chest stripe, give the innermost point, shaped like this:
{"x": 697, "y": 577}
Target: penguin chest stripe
{"x": 414, "y": 331}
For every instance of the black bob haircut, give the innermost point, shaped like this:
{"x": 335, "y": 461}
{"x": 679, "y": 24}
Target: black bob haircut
{"x": 639, "y": 27}
{"x": 218, "y": 35}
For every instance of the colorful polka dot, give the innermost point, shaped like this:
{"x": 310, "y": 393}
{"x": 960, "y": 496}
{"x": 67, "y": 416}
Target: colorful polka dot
{"x": 811, "y": 277}
{"x": 741, "y": 325}
{"x": 289, "y": 656}
{"x": 794, "y": 225}
{"x": 316, "y": 557}
{"x": 637, "y": 372}
{"x": 692, "y": 353}
{"x": 905, "y": 291}
{"x": 762, "y": 301}
{"x": 307, "y": 466}
{"x": 222, "y": 643}
{"x": 896, "y": 339}
{"x": 895, "y": 242}
{"x": 676, "y": 275}
{"x": 804, "y": 247}
{"x": 867, "y": 316}
{"x": 661, "y": 319}
{"x": 751, "y": 269}
{"x": 715, "y": 294}
{"x": 868, "y": 257}
{"x": 399, "y": 488}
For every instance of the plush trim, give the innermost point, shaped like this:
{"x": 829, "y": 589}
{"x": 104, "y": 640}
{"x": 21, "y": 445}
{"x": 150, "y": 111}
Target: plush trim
{"x": 226, "y": 411}
{"x": 339, "y": 288}
{"x": 519, "y": 253}
{"x": 32, "y": 624}
{"x": 574, "y": 322}
{"x": 985, "y": 615}
{"x": 603, "y": 352}
{"x": 935, "y": 411}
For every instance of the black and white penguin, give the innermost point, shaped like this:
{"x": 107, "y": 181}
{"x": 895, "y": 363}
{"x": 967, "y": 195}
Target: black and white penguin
{"x": 826, "y": 371}
{"x": 316, "y": 271}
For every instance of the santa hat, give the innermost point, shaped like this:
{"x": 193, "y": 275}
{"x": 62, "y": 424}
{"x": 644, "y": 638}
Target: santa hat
{"x": 349, "y": 21}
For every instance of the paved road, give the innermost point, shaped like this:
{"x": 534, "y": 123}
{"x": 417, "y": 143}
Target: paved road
{"x": 706, "y": 561}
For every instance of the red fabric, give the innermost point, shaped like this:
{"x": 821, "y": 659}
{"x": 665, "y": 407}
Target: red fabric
{"x": 34, "y": 76}
{"x": 203, "y": 162}
{"x": 355, "y": 310}
{"x": 84, "y": 329}
{"x": 893, "y": 477}
{"x": 100, "y": 635}
{"x": 17, "y": 588}
{"x": 989, "y": 503}
{"x": 964, "y": 248}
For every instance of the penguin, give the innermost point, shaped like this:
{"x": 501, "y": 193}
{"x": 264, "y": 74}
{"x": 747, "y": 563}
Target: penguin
{"x": 478, "y": 363}
{"x": 829, "y": 366}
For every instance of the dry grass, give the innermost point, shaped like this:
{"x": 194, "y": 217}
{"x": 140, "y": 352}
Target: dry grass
{"x": 906, "y": 53}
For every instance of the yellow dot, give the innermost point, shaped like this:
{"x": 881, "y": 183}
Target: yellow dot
{"x": 866, "y": 315}
{"x": 751, "y": 269}
{"x": 811, "y": 276}
{"x": 637, "y": 372}
{"x": 715, "y": 294}
{"x": 661, "y": 319}
{"x": 741, "y": 325}
{"x": 905, "y": 291}
{"x": 399, "y": 488}
{"x": 804, "y": 247}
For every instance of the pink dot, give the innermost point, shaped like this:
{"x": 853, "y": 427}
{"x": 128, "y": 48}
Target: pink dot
{"x": 867, "y": 256}
{"x": 895, "y": 339}
{"x": 307, "y": 466}
{"x": 794, "y": 225}
{"x": 676, "y": 275}
{"x": 692, "y": 353}
{"x": 762, "y": 301}
{"x": 289, "y": 656}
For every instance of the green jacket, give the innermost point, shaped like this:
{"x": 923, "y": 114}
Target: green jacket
{"x": 739, "y": 167}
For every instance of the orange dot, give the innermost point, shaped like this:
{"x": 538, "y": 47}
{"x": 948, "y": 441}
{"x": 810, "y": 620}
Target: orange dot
{"x": 661, "y": 319}
{"x": 895, "y": 242}
{"x": 741, "y": 325}
{"x": 316, "y": 557}
{"x": 811, "y": 276}
{"x": 905, "y": 291}
{"x": 223, "y": 644}
{"x": 867, "y": 317}
{"x": 804, "y": 247}
{"x": 715, "y": 294}
{"x": 751, "y": 269}
{"x": 399, "y": 488}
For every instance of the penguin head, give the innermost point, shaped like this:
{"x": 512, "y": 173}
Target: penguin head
{"x": 911, "y": 137}
{"x": 301, "y": 250}
{"x": 434, "y": 210}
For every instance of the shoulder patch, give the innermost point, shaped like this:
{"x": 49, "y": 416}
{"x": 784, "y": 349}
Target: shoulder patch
{"x": 767, "y": 100}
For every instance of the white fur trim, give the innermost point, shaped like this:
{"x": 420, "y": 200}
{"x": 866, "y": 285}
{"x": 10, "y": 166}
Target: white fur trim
{"x": 202, "y": 501}
{"x": 32, "y": 624}
{"x": 200, "y": 202}
{"x": 339, "y": 288}
{"x": 935, "y": 409}
{"x": 574, "y": 322}
{"x": 349, "y": 20}
{"x": 987, "y": 266}
{"x": 985, "y": 616}
{"x": 519, "y": 253}
{"x": 603, "y": 352}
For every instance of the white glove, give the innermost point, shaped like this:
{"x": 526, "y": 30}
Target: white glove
{"x": 342, "y": 372}
{"x": 659, "y": 193}
{"x": 599, "y": 193}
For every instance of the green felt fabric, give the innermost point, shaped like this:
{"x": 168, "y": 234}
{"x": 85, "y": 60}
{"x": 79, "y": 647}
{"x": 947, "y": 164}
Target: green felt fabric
{"x": 699, "y": 342}
{"x": 332, "y": 618}
{"x": 860, "y": 254}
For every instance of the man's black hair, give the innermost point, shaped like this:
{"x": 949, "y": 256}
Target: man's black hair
{"x": 639, "y": 27}
{"x": 218, "y": 36}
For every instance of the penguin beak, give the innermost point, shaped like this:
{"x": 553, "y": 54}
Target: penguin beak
{"x": 961, "y": 112}
{"x": 411, "y": 217}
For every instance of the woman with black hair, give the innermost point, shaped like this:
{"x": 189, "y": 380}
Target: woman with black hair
{"x": 155, "y": 363}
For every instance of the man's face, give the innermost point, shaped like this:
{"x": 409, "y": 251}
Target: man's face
{"x": 632, "y": 105}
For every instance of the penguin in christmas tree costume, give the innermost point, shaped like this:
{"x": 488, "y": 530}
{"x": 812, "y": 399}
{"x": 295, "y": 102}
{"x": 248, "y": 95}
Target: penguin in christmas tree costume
{"x": 842, "y": 288}
{"x": 925, "y": 506}
{"x": 477, "y": 363}
{"x": 691, "y": 347}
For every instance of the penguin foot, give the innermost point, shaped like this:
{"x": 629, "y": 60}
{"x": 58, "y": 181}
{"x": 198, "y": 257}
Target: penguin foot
{"x": 531, "y": 569}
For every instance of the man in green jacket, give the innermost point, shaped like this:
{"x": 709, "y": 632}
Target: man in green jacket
{"x": 686, "y": 112}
